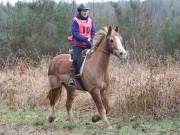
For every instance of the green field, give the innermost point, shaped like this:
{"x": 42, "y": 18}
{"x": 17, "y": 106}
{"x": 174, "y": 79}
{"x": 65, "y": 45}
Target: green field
{"x": 25, "y": 121}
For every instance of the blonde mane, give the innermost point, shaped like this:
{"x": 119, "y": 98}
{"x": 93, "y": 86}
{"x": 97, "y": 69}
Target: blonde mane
{"x": 99, "y": 35}
{"x": 98, "y": 38}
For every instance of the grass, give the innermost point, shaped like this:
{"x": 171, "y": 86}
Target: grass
{"x": 32, "y": 120}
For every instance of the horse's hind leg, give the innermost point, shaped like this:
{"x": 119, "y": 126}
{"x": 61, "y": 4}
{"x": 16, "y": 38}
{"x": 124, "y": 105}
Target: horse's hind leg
{"x": 69, "y": 102}
{"x": 53, "y": 96}
{"x": 95, "y": 93}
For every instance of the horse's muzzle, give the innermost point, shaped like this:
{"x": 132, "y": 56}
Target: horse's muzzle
{"x": 121, "y": 55}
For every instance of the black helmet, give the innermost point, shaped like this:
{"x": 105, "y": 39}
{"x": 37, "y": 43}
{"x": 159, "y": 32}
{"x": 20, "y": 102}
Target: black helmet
{"x": 83, "y": 7}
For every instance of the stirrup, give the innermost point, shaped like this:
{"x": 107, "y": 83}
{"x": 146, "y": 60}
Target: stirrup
{"x": 71, "y": 82}
{"x": 78, "y": 75}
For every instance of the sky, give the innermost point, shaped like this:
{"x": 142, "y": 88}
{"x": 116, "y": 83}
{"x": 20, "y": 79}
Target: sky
{"x": 77, "y": 1}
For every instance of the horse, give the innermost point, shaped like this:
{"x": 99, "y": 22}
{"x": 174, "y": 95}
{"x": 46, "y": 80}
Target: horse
{"x": 94, "y": 75}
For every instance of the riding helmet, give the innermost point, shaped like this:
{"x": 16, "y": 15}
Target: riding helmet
{"x": 82, "y": 7}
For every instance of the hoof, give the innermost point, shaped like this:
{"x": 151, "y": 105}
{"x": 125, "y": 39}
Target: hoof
{"x": 95, "y": 118}
{"x": 51, "y": 119}
{"x": 109, "y": 127}
{"x": 70, "y": 120}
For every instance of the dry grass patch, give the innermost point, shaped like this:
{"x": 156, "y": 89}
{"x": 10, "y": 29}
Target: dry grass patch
{"x": 133, "y": 88}
{"x": 146, "y": 87}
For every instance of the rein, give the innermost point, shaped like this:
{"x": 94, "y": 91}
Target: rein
{"x": 95, "y": 48}
{"x": 103, "y": 51}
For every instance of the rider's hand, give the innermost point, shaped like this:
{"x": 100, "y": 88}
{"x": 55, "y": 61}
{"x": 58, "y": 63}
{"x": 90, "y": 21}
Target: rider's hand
{"x": 89, "y": 39}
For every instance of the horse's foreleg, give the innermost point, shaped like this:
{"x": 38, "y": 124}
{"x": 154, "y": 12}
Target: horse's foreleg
{"x": 95, "y": 93}
{"x": 69, "y": 102}
{"x": 106, "y": 104}
{"x": 53, "y": 96}
{"x": 105, "y": 101}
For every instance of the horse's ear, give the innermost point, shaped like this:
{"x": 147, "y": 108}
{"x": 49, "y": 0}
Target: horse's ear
{"x": 109, "y": 31}
{"x": 116, "y": 29}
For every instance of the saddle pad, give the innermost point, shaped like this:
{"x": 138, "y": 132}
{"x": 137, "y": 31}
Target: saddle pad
{"x": 81, "y": 60}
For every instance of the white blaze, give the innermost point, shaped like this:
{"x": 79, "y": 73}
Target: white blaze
{"x": 119, "y": 45}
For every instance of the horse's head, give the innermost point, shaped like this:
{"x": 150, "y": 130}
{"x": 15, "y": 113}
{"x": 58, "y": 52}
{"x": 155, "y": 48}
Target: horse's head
{"x": 114, "y": 43}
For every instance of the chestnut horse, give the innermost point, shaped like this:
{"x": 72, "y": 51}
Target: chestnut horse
{"x": 94, "y": 75}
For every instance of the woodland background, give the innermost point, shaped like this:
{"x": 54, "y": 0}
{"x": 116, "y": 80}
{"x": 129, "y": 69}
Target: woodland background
{"x": 41, "y": 27}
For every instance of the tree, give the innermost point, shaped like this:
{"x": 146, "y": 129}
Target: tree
{"x": 171, "y": 34}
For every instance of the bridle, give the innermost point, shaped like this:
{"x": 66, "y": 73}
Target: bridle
{"x": 103, "y": 51}
{"x": 96, "y": 48}
{"x": 107, "y": 52}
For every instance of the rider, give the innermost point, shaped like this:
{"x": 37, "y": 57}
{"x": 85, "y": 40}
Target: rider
{"x": 83, "y": 30}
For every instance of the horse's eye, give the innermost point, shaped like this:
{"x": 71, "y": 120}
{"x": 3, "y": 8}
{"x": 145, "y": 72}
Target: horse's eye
{"x": 111, "y": 41}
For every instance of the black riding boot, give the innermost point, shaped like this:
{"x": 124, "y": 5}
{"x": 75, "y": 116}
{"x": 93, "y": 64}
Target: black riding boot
{"x": 72, "y": 81}
{"x": 77, "y": 74}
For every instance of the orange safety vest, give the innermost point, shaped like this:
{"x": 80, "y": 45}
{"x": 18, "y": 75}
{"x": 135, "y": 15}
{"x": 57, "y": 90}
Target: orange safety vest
{"x": 85, "y": 27}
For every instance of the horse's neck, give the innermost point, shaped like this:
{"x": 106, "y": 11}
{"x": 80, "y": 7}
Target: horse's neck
{"x": 101, "y": 57}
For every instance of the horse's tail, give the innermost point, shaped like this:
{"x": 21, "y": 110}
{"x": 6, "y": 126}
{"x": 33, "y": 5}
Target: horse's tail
{"x": 54, "y": 95}
{"x": 55, "y": 91}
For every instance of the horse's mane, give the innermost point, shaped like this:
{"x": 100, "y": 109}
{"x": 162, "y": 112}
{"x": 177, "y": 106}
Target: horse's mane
{"x": 98, "y": 37}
